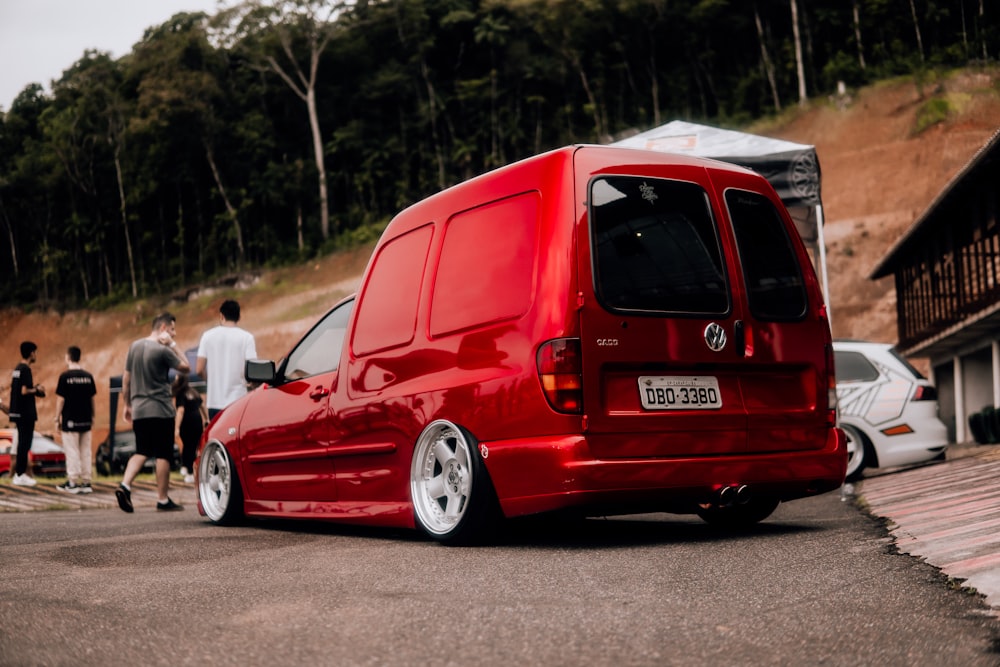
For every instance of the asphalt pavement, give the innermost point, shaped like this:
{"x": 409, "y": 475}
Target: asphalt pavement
{"x": 946, "y": 513}
{"x": 45, "y": 496}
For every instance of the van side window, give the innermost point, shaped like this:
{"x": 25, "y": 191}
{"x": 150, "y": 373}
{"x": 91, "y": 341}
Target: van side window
{"x": 319, "y": 352}
{"x": 853, "y": 367}
{"x": 487, "y": 266}
{"x": 655, "y": 247}
{"x": 770, "y": 268}
{"x": 387, "y": 315}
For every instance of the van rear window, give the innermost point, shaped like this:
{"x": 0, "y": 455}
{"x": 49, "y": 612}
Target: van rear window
{"x": 655, "y": 247}
{"x": 770, "y": 268}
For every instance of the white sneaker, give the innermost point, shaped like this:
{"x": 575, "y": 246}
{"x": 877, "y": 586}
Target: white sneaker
{"x": 23, "y": 480}
{"x": 184, "y": 473}
{"x": 189, "y": 479}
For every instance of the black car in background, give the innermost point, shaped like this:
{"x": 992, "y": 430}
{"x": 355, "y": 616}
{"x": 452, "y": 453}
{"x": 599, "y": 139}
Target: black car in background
{"x": 108, "y": 464}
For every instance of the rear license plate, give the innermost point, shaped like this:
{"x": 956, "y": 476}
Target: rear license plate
{"x": 679, "y": 392}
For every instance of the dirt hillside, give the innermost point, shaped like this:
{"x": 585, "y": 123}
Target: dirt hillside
{"x": 878, "y": 175}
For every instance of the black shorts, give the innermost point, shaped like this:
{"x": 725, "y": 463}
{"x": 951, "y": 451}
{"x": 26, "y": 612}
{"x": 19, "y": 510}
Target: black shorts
{"x": 154, "y": 437}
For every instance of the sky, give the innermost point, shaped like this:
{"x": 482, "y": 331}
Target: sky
{"x": 39, "y": 39}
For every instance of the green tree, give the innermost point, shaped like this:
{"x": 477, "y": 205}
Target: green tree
{"x": 288, "y": 38}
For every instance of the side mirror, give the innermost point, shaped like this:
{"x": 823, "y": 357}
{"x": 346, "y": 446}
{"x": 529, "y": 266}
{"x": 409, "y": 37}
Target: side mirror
{"x": 259, "y": 371}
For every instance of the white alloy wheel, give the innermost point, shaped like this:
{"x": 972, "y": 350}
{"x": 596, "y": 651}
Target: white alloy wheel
{"x": 856, "y": 453}
{"x": 218, "y": 486}
{"x": 449, "y": 486}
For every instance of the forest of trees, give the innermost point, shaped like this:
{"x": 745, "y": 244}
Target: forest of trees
{"x": 273, "y": 131}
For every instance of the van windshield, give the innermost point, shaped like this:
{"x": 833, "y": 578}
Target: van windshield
{"x": 655, "y": 247}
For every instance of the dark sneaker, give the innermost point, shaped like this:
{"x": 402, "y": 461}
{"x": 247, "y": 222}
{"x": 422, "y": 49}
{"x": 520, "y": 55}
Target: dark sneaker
{"x": 124, "y": 497}
{"x": 169, "y": 506}
{"x": 86, "y": 488}
{"x": 70, "y": 487}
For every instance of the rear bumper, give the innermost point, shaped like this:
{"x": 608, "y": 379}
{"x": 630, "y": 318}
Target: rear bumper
{"x": 544, "y": 475}
{"x": 899, "y": 450}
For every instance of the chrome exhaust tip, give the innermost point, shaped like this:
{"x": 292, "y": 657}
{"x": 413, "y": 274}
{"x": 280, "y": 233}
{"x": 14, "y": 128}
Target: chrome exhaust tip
{"x": 743, "y": 494}
{"x": 727, "y": 495}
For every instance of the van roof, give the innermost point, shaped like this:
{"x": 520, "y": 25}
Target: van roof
{"x": 514, "y": 178}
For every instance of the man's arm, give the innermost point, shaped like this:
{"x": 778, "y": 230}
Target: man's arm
{"x": 201, "y": 367}
{"x": 127, "y": 396}
{"x": 182, "y": 366}
{"x": 59, "y": 406}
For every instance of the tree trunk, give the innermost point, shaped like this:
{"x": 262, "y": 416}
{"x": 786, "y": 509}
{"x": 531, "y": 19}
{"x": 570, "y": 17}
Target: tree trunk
{"x": 857, "y": 36}
{"x": 766, "y": 59}
{"x": 432, "y": 110}
{"x": 10, "y": 237}
{"x": 230, "y": 210}
{"x": 298, "y": 228}
{"x": 916, "y": 29}
{"x": 494, "y": 121}
{"x": 982, "y": 29}
{"x": 124, "y": 214}
{"x": 965, "y": 31}
{"x": 305, "y": 89}
{"x": 575, "y": 61}
{"x": 799, "y": 65}
{"x": 317, "y": 137}
{"x": 654, "y": 89}
{"x": 83, "y": 279}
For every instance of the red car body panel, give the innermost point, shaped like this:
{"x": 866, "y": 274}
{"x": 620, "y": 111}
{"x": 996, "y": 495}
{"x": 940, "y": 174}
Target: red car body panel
{"x": 462, "y": 292}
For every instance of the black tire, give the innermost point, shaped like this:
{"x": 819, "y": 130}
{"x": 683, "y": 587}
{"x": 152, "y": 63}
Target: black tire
{"x": 103, "y": 467}
{"x": 858, "y": 452}
{"x": 739, "y": 517}
{"x": 450, "y": 488}
{"x": 219, "y": 489}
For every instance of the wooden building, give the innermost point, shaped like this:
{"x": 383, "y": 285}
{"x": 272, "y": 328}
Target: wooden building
{"x": 947, "y": 272}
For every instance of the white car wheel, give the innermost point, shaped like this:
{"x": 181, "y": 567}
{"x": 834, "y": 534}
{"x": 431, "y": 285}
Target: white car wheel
{"x": 857, "y": 452}
{"x": 453, "y": 499}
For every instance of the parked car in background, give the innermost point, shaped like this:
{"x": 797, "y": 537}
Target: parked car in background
{"x": 112, "y": 461}
{"x": 45, "y": 459}
{"x": 888, "y": 410}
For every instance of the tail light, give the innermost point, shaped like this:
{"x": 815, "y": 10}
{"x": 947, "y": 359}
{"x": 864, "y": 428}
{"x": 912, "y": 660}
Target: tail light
{"x": 924, "y": 393}
{"x": 831, "y": 385}
{"x": 560, "y": 369}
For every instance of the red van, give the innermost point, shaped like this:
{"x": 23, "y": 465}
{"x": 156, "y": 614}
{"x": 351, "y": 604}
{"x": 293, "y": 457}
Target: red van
{"x": 594, "y": 329}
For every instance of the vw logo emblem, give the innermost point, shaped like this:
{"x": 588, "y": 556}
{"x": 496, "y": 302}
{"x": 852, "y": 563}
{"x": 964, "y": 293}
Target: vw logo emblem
{"x": 715, "y": 337}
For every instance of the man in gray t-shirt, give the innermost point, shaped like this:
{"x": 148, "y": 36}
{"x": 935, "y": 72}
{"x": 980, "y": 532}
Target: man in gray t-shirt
{"x": 149, "y": 405}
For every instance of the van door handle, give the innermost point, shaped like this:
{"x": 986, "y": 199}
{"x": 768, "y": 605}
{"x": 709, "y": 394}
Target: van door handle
{"x": 318, "y": 393}
{"x": 740, "y": 338}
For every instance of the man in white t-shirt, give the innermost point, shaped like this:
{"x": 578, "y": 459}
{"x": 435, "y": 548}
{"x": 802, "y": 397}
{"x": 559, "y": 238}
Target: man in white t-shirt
{"x": 222, "y": 356}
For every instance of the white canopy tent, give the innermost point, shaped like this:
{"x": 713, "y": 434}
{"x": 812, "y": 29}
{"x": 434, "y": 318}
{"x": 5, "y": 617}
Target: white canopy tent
{"x": 791, "y": 168}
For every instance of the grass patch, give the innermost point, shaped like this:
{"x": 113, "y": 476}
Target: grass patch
{"x": 932, "y": 112}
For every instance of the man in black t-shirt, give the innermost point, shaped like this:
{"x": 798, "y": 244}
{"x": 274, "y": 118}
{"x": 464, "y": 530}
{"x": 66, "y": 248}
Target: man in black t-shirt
{"x": 23, "y": 391}
{"x": 74, "y": 414}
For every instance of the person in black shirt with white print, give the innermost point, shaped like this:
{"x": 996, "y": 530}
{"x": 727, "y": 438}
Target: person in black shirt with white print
{"x": 74, "y": 415}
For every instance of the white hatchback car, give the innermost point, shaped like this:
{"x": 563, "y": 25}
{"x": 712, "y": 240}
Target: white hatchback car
{"x": 888, "y": 410}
